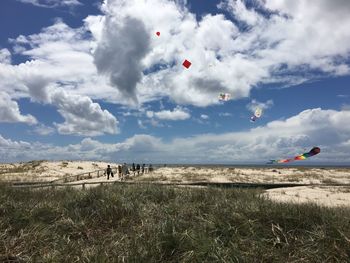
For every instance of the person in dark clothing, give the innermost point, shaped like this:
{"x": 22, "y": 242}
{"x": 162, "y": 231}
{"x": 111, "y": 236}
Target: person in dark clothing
{"x": 133, "y": 168}
{"x": 143, "y": 169}
{"x": 109, "y": 171}
{"x": 150, "y": 168}
{"x": 138, "y": 169}
{"x": 119, "y": 171}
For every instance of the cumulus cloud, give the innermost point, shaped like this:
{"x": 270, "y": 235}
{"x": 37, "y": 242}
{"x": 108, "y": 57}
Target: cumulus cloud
{"x": 61, "y": 62}
{"x": 204, "y": 117}
{"x": 176, "y": 114}
{"x": 277, "y": 139}
{"x": 5, "y": 56}
{"x": 42, "y": 129}
{"x": 9, "y": 111}
{"x": 120, "y": 53}
{"x": 123, "y": 45}
{"x": 82, "y": 115}
{"x": 52, "y": 3}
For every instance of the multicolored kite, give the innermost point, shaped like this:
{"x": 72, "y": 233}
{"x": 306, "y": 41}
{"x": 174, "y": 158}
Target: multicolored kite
{"x": 224, "y": 96}
{"x": 257, "y": 114}
{"x": 312, "y": 152}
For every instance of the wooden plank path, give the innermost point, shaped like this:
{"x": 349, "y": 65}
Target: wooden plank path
{"x": 71, "y": 178}
{"x": 203, "y": 184}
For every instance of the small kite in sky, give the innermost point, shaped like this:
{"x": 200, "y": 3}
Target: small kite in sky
{"x": 312, "y": 152}
{"x": 186, "y": 63}
{"x": 224, "y": 96}
{"x": 257, "y": 114}
{"x": 158, "y": 33}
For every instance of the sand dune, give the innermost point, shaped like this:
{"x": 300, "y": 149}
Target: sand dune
{"x": 330, "y": 196}
{"x": 47, "y": 170}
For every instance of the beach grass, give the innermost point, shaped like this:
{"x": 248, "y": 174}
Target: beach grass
{"x": 134, "y": 223}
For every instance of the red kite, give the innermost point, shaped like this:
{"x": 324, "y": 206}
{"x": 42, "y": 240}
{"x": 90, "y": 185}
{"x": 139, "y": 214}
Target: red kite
{"x": 186, "y": 63}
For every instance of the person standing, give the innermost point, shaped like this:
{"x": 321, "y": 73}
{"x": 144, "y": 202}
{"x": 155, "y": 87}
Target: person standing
{"x": 133, "y": 168}
{"x": 143, "y": 169}
{"x": 138, "y": 169}
{"x": 119, "y": 171}
{"x": 109, "y": 171}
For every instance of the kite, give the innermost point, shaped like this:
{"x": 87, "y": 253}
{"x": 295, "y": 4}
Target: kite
{"x": 186, "y": 63}
{"x": 158, "y": 33}
{"x": 224, "y": 96}
{"x": 312, "y": 152}
{"x": 257, "y": 114}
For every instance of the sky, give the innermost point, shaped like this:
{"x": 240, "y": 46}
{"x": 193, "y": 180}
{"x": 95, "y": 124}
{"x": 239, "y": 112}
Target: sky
{"x": 91, "y": 80}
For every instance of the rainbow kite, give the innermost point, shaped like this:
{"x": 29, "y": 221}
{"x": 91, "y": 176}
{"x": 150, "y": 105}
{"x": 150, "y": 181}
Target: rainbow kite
{"x": 303, "y": 156}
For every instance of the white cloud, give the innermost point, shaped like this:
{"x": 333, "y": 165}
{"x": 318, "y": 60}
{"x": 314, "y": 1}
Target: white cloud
{"x": 9, "y": 111}
{"x": 5, "y": 56}
{"x": 61, "y": 62}
{"x": 204, "y": 117}
{"x": 262, "y": 105}
{"x": 278, "y": 139}
{"x": 42, "y": 129}
{"x": 51, "y": 3}
{"x": 345, "y": 107}
{"x": 82, "y": 115}
{"x": 176, "y": 114}
{"x": 124, "y": 43}
{"x": 141, "y": 125}
{"x": 240, "y": 11}
{"x": 282, "y": 47}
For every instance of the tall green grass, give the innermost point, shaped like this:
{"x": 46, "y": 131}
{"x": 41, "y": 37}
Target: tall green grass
{"x": 134, "y": 223}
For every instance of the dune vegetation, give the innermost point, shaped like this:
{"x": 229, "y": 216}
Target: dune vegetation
{"x": 134, "y": 223}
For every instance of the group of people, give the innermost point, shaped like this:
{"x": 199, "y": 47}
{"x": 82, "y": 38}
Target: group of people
{"x": 123, "y": 170}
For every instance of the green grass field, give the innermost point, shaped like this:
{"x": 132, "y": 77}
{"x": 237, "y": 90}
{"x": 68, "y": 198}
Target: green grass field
{"x": 134, "y": 223}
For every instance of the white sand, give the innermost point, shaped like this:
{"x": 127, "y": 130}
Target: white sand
{"x": 47, "y": 171}
{"x": 250, "y": 175}
{"x": 325, "y": 196}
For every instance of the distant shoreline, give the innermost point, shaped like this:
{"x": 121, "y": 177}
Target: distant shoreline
{"x": 297, "y": 164}
{"x": 258, "y": 165}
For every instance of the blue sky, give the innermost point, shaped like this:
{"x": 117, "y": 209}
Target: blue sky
{"x": 82, "y": 80}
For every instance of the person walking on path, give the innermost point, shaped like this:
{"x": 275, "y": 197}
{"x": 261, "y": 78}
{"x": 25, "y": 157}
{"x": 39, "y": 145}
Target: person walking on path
{"x": 109, "y": 171}
{"x": 133, "y": 168}
{"x": 143, "y": 169}
{"x": 138, "y": 169}
{"x": 120, "y": 171}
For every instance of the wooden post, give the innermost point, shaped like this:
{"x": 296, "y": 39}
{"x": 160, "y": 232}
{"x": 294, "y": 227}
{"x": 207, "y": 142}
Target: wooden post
{"x": 78, "y": 177}
{"x": 98, "y": 173}
{"x": 83, "y": 186}
{"x": 101, "y": 184}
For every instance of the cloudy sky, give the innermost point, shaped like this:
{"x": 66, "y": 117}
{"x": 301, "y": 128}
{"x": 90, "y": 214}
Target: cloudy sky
{"x": 91, "y": 79}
